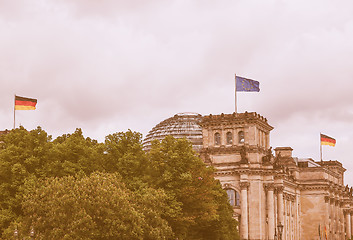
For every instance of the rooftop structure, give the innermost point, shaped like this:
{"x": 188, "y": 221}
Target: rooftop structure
{"x": 181, "y": 125}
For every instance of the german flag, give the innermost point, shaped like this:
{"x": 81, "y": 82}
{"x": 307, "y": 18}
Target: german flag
{"x": 326, "y": 140}
{"x": 23, "y": 103}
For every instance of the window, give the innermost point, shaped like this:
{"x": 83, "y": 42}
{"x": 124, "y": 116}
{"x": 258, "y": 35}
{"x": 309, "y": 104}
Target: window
{"x": 217, "y": 139}
{"x": 237, "y": 198}
{"x": 233, "y": 197}
{"x": 229, "y": 138}
{"x": 241, "y": 137}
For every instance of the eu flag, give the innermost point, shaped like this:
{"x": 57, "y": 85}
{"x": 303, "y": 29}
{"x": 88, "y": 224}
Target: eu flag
{"x": 247, "y": 85}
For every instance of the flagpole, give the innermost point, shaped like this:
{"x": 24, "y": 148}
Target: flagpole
{"x": 14, "y": 112}
{"x": 235, "y": 78}
{"x": 320, "y": 148}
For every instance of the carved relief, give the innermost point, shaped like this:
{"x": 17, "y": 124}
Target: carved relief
{"x": 244, "y": 158}
{"x": 276, "y": 163}
{"x": 289, "y": 197}
{"x": 244, "y": 185}
{"x": 268, "y": 157}
{"x": 279, "y": 189}
{"x": 269, "y": 186}
{"x": 346, "y": 211}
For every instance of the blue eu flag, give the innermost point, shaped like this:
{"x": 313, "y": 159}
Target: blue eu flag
{"x": 247, "y": 85}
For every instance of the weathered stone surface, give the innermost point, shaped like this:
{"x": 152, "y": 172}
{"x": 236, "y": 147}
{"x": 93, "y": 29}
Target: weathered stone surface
{"x": 278, "y": 188}
{"x": 299, "y": 188}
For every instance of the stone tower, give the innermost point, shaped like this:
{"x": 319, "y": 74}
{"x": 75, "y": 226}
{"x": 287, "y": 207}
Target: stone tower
{"x": 238, "y": 146}
{"x": 235, "y": 138}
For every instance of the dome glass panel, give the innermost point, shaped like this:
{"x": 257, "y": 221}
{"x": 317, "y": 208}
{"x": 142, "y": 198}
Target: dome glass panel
{"x": 179, "y": 126}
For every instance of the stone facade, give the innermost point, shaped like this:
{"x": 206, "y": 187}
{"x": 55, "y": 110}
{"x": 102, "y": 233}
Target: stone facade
{"x": 269, "y": 189}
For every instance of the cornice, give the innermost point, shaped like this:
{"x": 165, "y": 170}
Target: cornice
{"x": 289, "y": 197}
{"x": 248, "y": 171}
{"x": 306, "y": 187}
{"x": 213, "y": 150}
{"x": 291, "y": 184}
{"x": 237, "y": 119}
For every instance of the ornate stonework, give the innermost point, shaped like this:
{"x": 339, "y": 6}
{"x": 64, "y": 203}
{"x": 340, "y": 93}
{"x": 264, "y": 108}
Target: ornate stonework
{"x": 301, "y": 194}
{"x": 244, "y": 185}
{"x": 269, "y": 187}
{"x": 278, "y": 188}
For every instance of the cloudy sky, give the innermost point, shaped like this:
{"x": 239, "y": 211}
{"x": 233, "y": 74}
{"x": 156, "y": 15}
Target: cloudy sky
{"x": 110, "y": 65}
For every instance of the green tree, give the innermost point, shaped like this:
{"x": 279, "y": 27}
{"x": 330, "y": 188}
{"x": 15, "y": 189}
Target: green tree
{"x": 26, "y": 155}
{"x": 73, "y": 153}
{"x": 198, "y": 206}
{"x": 124, "y": 154}
{"x": 168, "y": 188}
{"x": 22, "y": 155}
{"x": 98, "y": 206}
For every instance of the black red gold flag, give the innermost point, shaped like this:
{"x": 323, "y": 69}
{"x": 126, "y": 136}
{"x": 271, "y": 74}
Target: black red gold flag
{"x": 23, "y": 103}
{"x": 326, "y": 140}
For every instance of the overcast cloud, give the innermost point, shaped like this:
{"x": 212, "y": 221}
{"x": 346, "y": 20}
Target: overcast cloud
{"x": 107, "y": 66}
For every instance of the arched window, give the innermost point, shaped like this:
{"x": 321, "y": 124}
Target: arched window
{"x": 241, "y": 137}
{"x": 217, "y": 138}
{"x": 237, "y": 198}
{"x": 233, "y": 197}
{"x": 229, "y": 138}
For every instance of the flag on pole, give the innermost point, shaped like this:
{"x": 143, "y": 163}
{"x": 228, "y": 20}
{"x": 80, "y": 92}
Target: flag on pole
{"x": 326, "y": 140}
{"x": 247, "y": 85}
{"x": 23, "y": 103}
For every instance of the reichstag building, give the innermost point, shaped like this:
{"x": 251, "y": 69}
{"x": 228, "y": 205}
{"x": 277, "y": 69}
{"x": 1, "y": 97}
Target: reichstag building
{"x": 272, "y": 192}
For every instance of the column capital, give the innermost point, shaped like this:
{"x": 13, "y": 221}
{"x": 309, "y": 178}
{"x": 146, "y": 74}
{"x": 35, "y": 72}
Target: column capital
{"x": 289, "y": 197}
{"x": 244, "y": 185}
{"x": 346, "y": 211}
{"x": 327, "y": 199}
{"x": 269, "y": 186}
{"x": 280, "y": 189}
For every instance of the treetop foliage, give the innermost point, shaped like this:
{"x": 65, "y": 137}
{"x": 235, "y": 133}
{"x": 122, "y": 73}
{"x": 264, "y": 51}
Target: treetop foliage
{"x": 73, "y": 187}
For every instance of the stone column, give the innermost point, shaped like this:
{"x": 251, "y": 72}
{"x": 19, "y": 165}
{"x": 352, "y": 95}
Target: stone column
{"x": 270, "y": 211}
{"x": 348, "y": 223}
{"x": 244, "y": 228}
{"x": 351, "y": 214}
{"x": 342, "y": 220}
{"x": 337, "y": 209}
{"x": 327, "y": 216}
{"x": 332, "y": 214}
{"x": 280, "y": 205}
{"x": 285, "y": 216}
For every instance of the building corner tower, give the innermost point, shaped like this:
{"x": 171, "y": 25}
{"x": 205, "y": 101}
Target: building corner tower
{"x": 238, "y": 146}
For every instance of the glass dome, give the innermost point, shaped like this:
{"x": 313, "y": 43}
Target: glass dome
{"x": 179, "y": 126}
